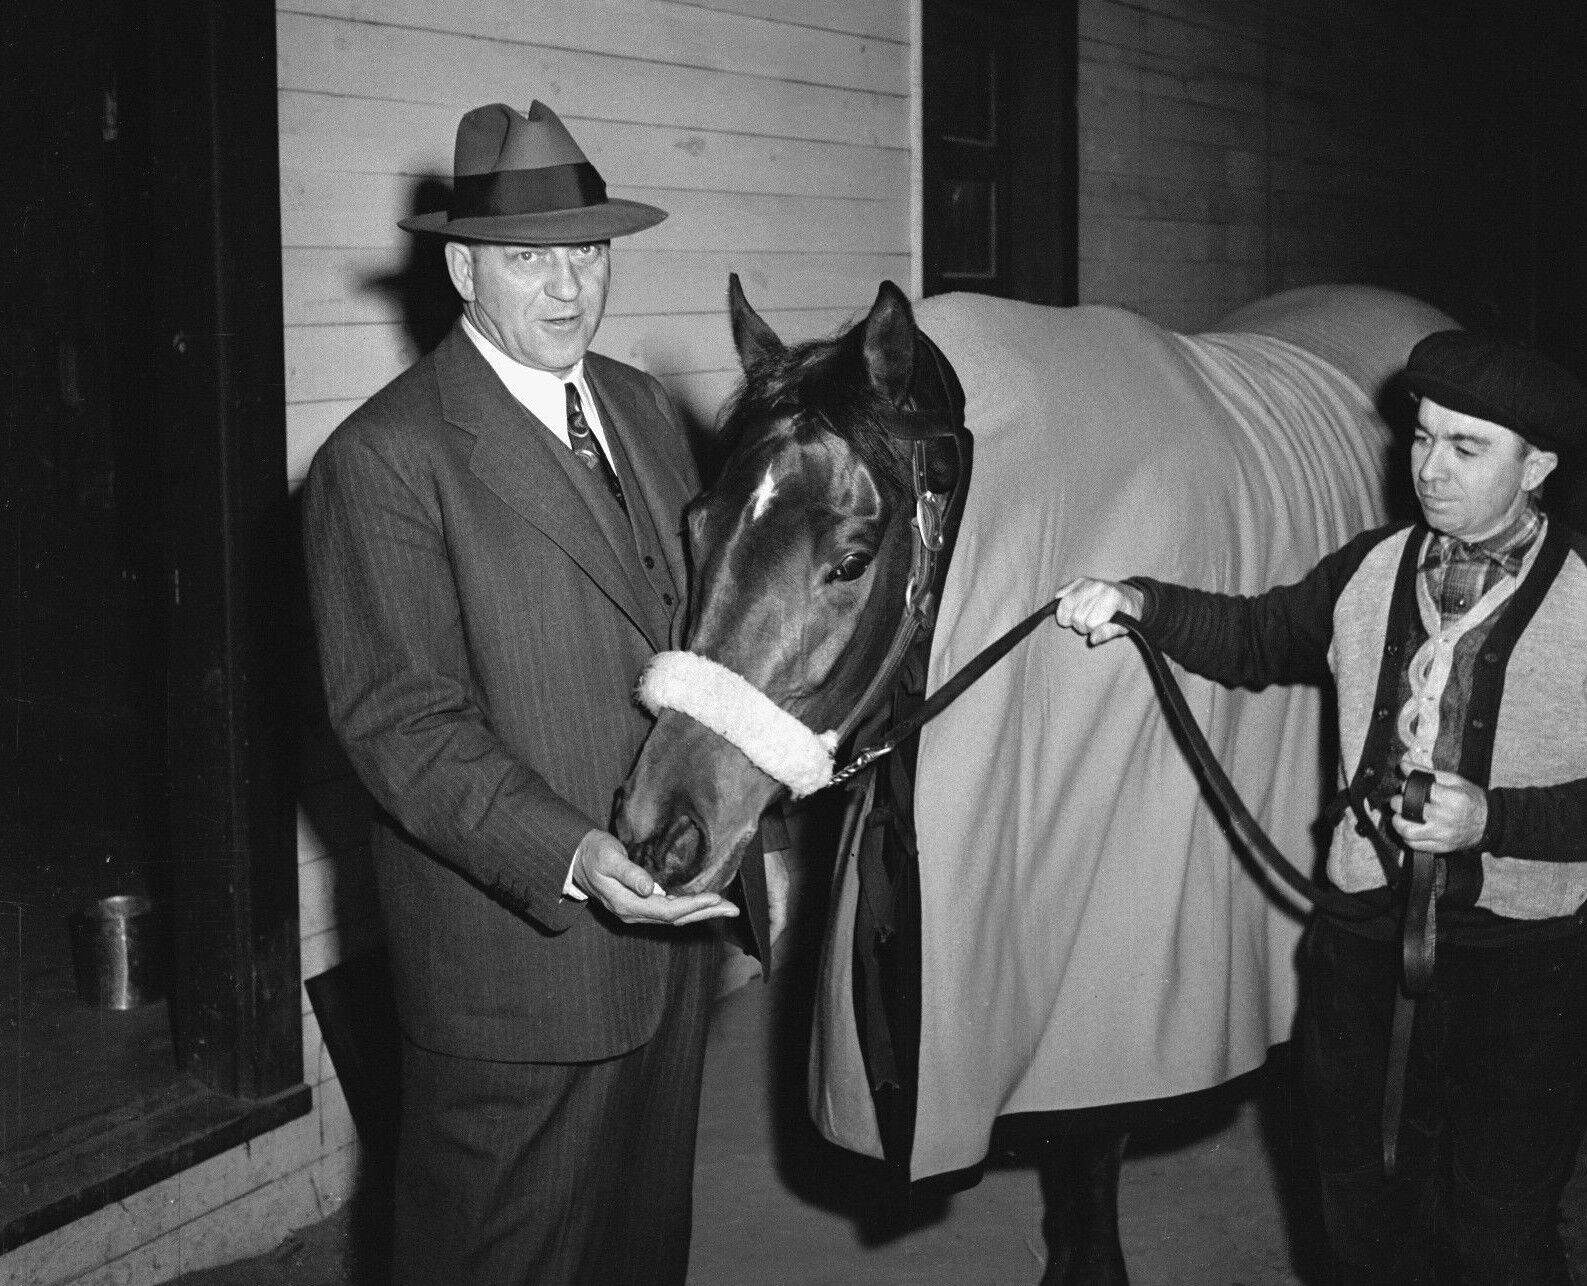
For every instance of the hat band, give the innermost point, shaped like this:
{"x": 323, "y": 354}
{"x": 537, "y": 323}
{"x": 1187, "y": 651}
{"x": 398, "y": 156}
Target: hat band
{"x": 541, "y": 191}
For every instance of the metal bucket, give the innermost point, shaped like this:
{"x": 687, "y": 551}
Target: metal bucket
{"x": 115, "y": 952}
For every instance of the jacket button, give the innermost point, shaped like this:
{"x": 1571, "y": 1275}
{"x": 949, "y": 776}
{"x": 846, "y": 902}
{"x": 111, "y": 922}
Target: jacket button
{"x": 1492, "y": 658}
{"x": 1382, "y": 712}
{"x": 1478, "y": 724}
{"x": 650, "y": 563}
{"x": 667, "y": 599}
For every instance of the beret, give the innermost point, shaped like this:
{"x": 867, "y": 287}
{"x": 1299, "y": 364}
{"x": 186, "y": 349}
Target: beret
{"x": 1504, "y": 383}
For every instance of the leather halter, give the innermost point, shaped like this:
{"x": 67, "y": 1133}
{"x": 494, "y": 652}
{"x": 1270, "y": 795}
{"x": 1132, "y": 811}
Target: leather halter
{"x": 931, "y": 415}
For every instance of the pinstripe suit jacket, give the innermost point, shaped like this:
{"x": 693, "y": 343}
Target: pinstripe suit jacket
{"x": 483, "y": 610}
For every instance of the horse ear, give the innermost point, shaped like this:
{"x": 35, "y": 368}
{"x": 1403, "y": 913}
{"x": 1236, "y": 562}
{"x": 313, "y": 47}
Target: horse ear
{"x": 889, "y": 343}
{"x": 752, "y": 337}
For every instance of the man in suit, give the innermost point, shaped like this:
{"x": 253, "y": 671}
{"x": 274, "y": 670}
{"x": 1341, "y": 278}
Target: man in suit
{"x": 494, "y": 552}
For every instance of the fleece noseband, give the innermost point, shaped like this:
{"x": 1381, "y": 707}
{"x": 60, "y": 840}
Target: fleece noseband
{"x": 733, "y": 708}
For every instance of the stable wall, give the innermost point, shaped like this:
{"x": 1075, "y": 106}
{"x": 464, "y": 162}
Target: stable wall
{"x": 1233, "y": 148}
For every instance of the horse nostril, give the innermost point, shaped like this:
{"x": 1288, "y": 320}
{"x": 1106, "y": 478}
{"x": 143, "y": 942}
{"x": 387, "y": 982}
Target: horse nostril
{"x": 683, "y": 839}
{"x": 677, "y": 851}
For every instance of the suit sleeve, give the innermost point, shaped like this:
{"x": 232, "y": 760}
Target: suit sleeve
{"x": 401, "y": 695}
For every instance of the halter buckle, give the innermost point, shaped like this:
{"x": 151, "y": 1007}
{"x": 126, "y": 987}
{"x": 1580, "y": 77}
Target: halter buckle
{"x": 928, "y": 520}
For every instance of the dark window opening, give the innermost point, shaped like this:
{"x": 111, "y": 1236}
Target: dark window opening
{"x": 999, "y": 199}
{"x": 144, "y": 547}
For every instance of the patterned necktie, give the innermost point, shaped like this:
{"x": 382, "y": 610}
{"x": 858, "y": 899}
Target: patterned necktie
{"x": 587, "y": 448}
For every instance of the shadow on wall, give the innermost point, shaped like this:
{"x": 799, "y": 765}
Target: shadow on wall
{"x": 421, "y": 287}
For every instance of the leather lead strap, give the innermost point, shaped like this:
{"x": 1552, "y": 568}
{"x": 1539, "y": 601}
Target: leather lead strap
{"x": 1421, "y": 925}
{"x": 1394, "y": 1080}
{"x": 1418, "y": 951}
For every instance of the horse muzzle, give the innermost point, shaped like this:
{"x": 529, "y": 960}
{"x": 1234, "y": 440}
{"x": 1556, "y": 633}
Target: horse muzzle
{"x": 672, "y": 851}
{"x": 691, "y": 806}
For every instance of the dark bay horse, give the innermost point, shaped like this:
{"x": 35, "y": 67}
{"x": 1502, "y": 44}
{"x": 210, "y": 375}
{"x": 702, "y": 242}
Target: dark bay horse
{"x": 808, "y": 561}
{"x": 1016, "y": 955}
{"x": 804, "y": 562}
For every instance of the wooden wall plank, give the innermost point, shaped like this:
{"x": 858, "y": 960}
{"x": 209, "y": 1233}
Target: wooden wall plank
{"x": 883, "y": 19}
{"x": 331, "y": 363}
{"x": 701, "y": 394}
{"x": 308, "y": 425}
{"x": 327, "y": 286}
{"x": 395, "y": 63}
{"x": 361, "y": 210}
{"x": 371, "y": 136}
{"x": 687, "y": 35}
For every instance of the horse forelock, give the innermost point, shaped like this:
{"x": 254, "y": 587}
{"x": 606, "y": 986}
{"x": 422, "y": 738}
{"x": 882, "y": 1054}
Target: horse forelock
{"x": 819, "y": 384}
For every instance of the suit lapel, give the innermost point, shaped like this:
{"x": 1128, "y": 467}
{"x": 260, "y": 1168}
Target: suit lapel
{"x": 522, "y": 462}
{"x": 664, "y": 488}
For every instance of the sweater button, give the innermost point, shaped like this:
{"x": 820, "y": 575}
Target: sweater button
{"x": 1491, "y": 657}
{"x": 1478, "y": 724}
{"x": 650, "y": 563}
{"x": 1382, "y": 712}
{"x": 667, "y": 599}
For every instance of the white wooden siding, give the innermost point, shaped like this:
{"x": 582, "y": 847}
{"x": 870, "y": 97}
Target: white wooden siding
{"x": 776, "y": 135}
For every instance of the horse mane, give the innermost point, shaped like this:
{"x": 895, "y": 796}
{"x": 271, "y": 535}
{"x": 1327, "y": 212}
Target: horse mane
{"x": 823, "y": 381}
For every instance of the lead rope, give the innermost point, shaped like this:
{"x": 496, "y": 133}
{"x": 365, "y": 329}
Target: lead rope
{"x": 1426, "y": 872}
{"x": 1245, "y": 826}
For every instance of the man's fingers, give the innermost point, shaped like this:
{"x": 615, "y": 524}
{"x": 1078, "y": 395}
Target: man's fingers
{"x": 716, "y": 910}
{"x": 612, "y": 862}
{"x": 636, "y": 879}
{"x": 678, "y": 911}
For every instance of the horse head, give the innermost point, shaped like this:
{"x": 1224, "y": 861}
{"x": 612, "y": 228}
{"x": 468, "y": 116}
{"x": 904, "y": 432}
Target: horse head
{"x": 804, "y": 565}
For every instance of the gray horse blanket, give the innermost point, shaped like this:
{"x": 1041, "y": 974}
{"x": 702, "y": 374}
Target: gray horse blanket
{"x": 1089, "y": 934}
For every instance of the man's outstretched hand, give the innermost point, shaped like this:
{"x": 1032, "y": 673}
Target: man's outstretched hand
{"x": 601, "y": 868}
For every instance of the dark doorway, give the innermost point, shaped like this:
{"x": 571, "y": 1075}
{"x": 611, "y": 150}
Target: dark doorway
{"x": 140, "y": 753}
{"x": 80, "y": 657}
{"x": 999, "y": 142}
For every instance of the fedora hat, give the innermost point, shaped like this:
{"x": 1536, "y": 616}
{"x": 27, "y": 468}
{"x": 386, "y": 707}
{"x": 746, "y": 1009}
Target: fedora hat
{"x": 520, "y": 179}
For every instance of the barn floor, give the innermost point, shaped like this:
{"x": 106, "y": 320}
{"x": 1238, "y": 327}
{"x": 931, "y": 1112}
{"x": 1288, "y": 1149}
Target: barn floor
{"x": 1224, "y": 1203}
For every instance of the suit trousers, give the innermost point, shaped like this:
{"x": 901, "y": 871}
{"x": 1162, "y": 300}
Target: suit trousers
{"x": 1495, "y": 1103}
{"x": 557, "y": 1173}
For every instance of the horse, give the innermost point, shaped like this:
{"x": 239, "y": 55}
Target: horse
{"x": 891, "y": 500}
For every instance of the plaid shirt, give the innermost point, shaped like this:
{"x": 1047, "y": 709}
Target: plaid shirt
{"x": 1459, "y": 574}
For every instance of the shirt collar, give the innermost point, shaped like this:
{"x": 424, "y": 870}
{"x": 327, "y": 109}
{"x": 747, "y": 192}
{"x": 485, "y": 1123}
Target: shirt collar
{"x": 1506, "y": 547}
{"x": 540, "y": 392}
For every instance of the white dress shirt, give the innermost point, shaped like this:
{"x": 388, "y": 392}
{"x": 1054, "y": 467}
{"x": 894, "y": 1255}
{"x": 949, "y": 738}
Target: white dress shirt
{"x": 541, "y": 392}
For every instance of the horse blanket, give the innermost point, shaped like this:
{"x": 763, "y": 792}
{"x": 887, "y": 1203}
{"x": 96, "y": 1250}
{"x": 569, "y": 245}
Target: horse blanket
{"x": 1090, "y": 935}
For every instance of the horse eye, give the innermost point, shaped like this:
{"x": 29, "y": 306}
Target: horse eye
{"x": 852, "y": 567}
